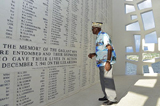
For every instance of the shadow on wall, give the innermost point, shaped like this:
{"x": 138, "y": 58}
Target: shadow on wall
{"x": 138, "y": 90}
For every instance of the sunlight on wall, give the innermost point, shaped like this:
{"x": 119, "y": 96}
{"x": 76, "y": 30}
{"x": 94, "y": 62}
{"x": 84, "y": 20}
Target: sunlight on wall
{"x": 146, "y": 83}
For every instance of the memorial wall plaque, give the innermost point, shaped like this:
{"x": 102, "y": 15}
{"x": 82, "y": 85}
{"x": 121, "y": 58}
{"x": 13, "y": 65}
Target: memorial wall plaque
{"x": 44, "y": 47}
{"x": 75, "y": 24}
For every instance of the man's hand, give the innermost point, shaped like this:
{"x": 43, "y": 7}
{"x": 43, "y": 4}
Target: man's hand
{"x": 91, "y": 55}
{"x": 107, "y": 66}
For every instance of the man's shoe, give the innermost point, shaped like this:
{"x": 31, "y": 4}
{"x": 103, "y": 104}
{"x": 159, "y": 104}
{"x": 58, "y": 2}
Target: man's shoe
{"x": 109, "y": 103}
{"x": 106, "y": 101}
{"x": 102, "y": 99}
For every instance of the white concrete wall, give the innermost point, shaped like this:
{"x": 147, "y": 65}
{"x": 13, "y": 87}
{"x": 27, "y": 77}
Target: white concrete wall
{"x": 123, "y": 38}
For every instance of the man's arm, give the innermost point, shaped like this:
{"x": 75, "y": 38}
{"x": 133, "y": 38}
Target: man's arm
{"x": 107, "y": 65}
{"x": 109, "y": 47}
{"x": 92, "y": 55}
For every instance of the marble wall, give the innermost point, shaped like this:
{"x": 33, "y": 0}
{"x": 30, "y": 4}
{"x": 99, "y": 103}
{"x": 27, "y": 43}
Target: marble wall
{"x": 44, "y": 47}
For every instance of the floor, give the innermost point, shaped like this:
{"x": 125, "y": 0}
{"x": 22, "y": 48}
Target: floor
{"x": 135, "y": 90}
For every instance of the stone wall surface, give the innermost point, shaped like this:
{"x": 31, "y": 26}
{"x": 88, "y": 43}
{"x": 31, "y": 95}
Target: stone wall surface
{"x": 44, "y": 47}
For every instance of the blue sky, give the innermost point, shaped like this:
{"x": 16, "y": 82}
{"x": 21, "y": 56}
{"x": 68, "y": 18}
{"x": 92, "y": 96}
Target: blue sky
{"x": 148, "y": 23}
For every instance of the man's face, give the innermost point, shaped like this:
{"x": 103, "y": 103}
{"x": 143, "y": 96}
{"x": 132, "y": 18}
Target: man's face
{"x": 95, "y": 30}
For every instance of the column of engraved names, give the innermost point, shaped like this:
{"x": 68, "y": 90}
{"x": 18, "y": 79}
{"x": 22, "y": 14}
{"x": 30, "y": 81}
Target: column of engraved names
{"x": 81, "y": 30}
{"x": 91, "y": 42}
{"x": 5, "y": 83}
{"x": 23, "y": 89}
{"x": 86, "y": 43}
{"x": 56, "y": 23}
{"x": 66, "y": 26}
{"x": 42, "y": 87}
{"x": 73, "y": 30}
{"x": 71, "y": 81}
{"x": 74, "y": 19}
{"x": 52, "y": 84}
{"x": 27, "y": 27}
{"x": 81, "y": 27}
{"x": 65, "y": 80}
{"x": 10, "y": 20}
{"x": 45, "y": 20}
